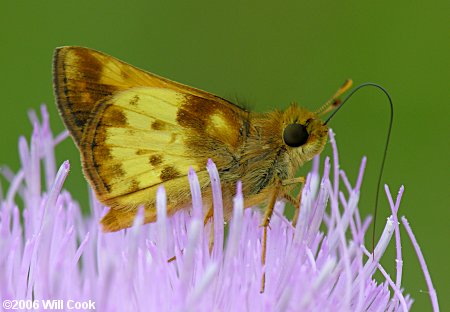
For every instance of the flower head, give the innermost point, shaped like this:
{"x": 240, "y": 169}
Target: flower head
{"x": 57, "y": 253}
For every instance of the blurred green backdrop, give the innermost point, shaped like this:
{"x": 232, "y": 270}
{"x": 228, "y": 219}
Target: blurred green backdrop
{"x": 270, "y": 55}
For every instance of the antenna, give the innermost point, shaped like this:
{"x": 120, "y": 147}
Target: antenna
{"x": 370, "y": 84}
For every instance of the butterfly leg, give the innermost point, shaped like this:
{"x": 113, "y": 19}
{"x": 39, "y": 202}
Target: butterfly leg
{"x": 293, "y": 181}
{"x": 209, "y": 216}
{"x": 298, "y": 200}
{"x": 265, "y": 224}
{"x": 294, "y": 201}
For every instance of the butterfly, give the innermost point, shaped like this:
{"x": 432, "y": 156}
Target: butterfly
{"x": 137, "y": 131}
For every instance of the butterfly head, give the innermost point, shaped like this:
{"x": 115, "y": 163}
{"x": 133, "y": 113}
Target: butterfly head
{"x": 304, "y": 134}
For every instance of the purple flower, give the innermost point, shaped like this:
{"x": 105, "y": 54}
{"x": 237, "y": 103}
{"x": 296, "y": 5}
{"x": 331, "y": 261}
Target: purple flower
{"x": 50, "y": 251}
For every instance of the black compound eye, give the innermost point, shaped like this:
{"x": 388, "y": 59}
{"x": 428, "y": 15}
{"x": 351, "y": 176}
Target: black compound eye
{"x": 295, "y": 135}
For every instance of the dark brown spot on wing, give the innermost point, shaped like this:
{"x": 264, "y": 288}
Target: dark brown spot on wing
{"x": 168, "y": 173}
{"x": 155, "y": 160}
{"x": 135, "y": 100}
{"x": 142, "y": 152}
{"x": 117, "y": 170}
{"x": 212, "y": 125}
{"x": 173, "y": 138}
{"x": 195, "y": 111}
{"x": 125, "y": 75}
{"x": 134, "y": 187}
{"x": 116, "y": 117}
{"x": 92, "y": 67}
{"x": 158, "y": 125}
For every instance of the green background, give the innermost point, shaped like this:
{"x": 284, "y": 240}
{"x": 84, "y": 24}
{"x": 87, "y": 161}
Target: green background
{"x": 270, "y": 55}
